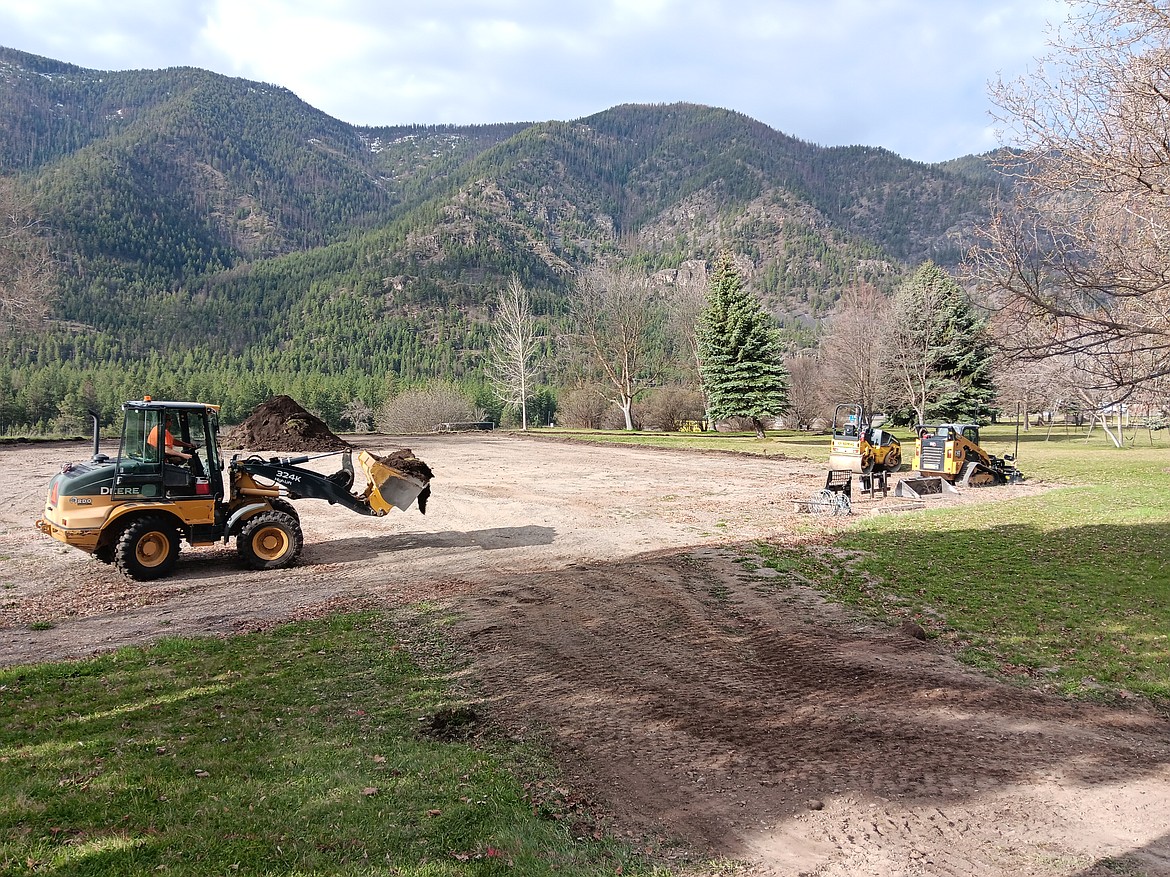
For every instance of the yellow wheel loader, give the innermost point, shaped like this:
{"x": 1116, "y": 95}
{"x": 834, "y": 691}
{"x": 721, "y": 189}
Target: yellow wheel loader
{"x": 135, "y": 510}
{"x": 858, "y": 447}
{"x": 952, "y": 452}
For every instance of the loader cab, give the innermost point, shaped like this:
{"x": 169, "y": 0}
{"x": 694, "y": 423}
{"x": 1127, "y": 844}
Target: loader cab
{"x": 143, "y": 470}
{"x": 952, "y": 431}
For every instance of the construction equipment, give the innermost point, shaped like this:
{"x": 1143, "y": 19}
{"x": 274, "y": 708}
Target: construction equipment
{"x": 951, "y": 451}
{"x": 134, "y": 510}
{"x": 859, "y": 447}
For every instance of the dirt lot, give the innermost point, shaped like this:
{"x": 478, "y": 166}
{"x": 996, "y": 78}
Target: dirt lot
{"x": 710, "y": 711}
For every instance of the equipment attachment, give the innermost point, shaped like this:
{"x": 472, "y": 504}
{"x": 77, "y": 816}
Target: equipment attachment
{"x": 388, "y": 487}
{"x": 916, "y": 488}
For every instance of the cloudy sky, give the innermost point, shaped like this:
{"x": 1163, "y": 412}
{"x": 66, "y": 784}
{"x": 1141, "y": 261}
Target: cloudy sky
{"x": 909, "y": 75}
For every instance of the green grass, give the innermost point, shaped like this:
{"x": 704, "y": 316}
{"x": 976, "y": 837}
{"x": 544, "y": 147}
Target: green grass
{"x": 1071, "y": 586}
{"x": 295, "y": 751}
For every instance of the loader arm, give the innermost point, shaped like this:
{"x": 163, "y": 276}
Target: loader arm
{"x": 386, "y": 487}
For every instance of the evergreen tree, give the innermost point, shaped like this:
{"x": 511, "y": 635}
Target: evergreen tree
{"x": 739, "y": 346}
{"x": 942, "y": 355}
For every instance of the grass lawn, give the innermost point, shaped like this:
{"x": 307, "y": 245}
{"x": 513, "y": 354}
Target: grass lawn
{"x": 294, "y": 752}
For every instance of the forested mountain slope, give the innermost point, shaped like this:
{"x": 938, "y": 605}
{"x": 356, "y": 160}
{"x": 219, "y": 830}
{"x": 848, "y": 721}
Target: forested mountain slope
{"x": 230, "y": 223}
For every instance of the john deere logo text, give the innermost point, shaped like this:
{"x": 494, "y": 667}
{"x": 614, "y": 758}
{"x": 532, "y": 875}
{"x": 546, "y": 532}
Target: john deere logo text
{"x": 121, "y": 491}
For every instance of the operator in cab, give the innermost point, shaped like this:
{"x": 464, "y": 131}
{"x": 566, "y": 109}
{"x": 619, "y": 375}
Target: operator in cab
{"x": 174, "y": 449}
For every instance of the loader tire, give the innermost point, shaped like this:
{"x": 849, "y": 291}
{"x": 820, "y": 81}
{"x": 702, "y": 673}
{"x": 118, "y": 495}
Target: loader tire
{"x": 283, "y": 505}
{"x": 270, "y": 540}
{"x": 147, "y": 548}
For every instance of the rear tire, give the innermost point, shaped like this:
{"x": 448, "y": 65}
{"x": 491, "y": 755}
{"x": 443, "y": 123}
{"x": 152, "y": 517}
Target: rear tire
{"x": 270, "y": 540}
{"x": 147, "y": 549}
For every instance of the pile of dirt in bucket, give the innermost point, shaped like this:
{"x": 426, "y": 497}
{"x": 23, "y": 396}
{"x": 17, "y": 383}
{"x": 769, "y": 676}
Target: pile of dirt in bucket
{"x": 408, "y": 464}
{"x": 281, "y": 424}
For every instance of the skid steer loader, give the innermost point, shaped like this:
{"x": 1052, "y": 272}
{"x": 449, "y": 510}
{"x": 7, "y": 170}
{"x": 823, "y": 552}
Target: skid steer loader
{"x": 951, "y": 451}
{"x": 134, "y": 510}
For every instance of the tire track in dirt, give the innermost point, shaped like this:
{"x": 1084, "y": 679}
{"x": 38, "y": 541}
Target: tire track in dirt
{"x": 700, "y": 702}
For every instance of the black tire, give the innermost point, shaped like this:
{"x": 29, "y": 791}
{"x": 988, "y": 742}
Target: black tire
{"x": 893, "y": 460}
{"x": 283, "y": 505}
{"x": 270, "y": 540}
{"x": 147, "y": 548}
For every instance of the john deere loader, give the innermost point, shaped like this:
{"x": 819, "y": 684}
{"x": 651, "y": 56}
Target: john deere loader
{"x": 135, "y": 510}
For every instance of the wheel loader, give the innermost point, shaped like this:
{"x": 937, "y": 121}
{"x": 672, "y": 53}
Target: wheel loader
{"x": 858, "y": 447}
{"x": 952, "y": 451}
{"x": 133, "y": 511}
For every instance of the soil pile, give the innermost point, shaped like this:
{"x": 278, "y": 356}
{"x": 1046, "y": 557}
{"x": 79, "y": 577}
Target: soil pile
{"x": 408, "y": 464}
{"x": 281, "y": 424}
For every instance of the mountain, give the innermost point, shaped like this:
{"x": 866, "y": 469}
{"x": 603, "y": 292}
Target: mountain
{"x": 230, "y": 223}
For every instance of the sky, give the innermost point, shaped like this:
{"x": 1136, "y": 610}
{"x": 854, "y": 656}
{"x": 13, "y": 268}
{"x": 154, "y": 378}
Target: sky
{"x": 908, "y": 75}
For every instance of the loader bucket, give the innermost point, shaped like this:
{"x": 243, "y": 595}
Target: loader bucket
{"x": 916, "y": 488}
{"x": 387, "y": 487}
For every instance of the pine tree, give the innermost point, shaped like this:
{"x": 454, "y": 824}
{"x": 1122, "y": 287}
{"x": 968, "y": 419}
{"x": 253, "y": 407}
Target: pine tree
{"x": 739, "y": 345}
{"x": 941, "y": 349}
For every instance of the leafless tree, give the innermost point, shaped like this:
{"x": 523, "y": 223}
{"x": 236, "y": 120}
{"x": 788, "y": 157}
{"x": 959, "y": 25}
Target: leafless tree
{"x": 511, "y": 359}
{"x": 359, "y": 414}
{"x": 854, "y": 349}
{"x": 806, "y": 399}
{"x": 688, "y": 299}
{"x": 912, "y": 353}
{"x": 1079, "y": 263}
{"x": 27, "y": 271}
{"x": 670, "y": 408}
{"x": 615, "y": 313}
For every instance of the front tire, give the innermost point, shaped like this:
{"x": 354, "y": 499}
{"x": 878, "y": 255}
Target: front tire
{"x": 147, "y": 549}
{"x": 270, "y": 540}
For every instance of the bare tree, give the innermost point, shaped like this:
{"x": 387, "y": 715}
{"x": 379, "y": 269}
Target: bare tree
{"x": 582, "y": 407}
{"x": 512, "y": 349}
{"x": 854, "y": 349}
{"x": 1079, "y": 264}
{"x": 27, "y": 272}
{"x": 615, "y": 313}
{"x": 359, "y": 414}
{"x": 805, "y": 394}
{"x": 688, "y": 301}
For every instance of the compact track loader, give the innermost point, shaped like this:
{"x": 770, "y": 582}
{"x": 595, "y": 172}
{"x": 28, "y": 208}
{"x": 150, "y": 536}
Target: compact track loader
{"x": 133, "y": 511}
{"x": 952, "y": 452}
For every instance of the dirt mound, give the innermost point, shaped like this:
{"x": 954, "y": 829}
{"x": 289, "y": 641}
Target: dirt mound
{"x": 281, "y": 424}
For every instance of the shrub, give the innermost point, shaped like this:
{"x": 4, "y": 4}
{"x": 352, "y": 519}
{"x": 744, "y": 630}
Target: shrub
{"x": 422, "y": 410}
{"x": 582, "y": 408}
{"x": 670, "y": 407}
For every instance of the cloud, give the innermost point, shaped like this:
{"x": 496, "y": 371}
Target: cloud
{"x": 910, "y": 75}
